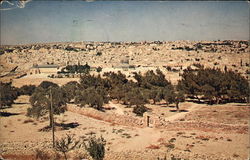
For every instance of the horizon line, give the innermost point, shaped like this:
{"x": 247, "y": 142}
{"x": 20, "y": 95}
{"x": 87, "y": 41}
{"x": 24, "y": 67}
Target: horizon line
{"x": 55, "y": 42}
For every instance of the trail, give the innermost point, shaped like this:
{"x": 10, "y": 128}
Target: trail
{"x": 182, "y": 114}
{"x": 118, "y": 109}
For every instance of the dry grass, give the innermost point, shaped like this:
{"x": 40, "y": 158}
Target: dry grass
{"x": 229, "y": 114}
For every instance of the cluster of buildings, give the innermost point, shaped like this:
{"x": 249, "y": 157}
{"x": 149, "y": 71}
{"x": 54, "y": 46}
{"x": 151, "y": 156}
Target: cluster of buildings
{"x": 125, "y": 56}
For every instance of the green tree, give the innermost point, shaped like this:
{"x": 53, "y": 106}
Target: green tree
{"x": 189, "y": 83}
{"x": 215, "y": 85}
{"x": 98, "y": 69}
{"x": 77, "y": 68}
{"x": 66, "y": 144}
{"x": 151, "y": 79}
{"x": 27, "y": 90}
{"x": 94, "y": 97}
{"x": 8, "y": 94}
{"x": 135, "y": 97}
{"x": 139, "y": 110}
{"x": 41, "y": 100}
{"x": 88, "y": 80}
{"x": 116, "y": 78}
{"x": 155, "y": 93}
{"x": 70, "y": 90}
{"x": 120, "y": 91}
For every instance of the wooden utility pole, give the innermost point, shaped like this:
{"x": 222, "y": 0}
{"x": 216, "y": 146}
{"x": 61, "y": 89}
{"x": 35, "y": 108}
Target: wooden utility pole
{"x": 52, "y": 119}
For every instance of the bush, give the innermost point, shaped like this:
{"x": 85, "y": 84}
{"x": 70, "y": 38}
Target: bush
{"x": 42, "y": 155}
{"x": 27, "y": 90}
{"x": 8, "y": 94}
{"x": 66, "y": 144}
{"x": 99, "y": 69}
{"x": 139, "y": 110}
{"x": 96, "y": 148}
{"x": 98, "y": 53}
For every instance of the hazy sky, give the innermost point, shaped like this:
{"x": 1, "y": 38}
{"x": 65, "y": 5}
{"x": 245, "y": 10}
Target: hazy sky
{"x": 54, "y": 21}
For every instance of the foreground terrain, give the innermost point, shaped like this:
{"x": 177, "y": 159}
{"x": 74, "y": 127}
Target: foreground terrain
{"x": 198, "y": 132}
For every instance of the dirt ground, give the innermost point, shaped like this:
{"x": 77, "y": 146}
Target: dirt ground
{"x": 20, "y": 135}
{"x": 37, "y": 79}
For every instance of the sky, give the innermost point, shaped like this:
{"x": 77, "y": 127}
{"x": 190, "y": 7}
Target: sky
{"x": 39, "y": 21}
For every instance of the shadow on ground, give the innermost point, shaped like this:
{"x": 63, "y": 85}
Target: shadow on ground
{"x": 182, "y": 110}
{"x": 21, "y": 103}
{"x": 60, "y": 126}
{"x": 7, "y": 114}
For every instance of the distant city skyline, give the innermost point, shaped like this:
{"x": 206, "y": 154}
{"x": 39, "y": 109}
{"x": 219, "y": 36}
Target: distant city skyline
{"x": 74, "y": 21}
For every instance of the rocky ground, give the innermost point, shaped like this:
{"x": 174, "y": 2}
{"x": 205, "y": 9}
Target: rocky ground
{"x": 20, "y": 135}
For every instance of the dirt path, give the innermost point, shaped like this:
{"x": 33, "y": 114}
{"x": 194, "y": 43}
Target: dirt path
{"x": 182, "y": 114}
{"x": 118, "y": 109}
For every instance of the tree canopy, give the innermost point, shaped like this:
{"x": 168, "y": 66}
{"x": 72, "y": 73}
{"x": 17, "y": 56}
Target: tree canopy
{"x": 41, "y": 100}
{"x": 215, "y": 85}
{"x": 8, "y": 94}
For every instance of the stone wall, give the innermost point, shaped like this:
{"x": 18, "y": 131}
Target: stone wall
{"x": 111, "y": 118}
{"x": 48, "y": 70}
{"x": 150, "y": 120}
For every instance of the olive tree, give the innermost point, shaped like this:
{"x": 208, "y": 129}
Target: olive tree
{"x": 47, "y": 94}
{"x": 8, "y": 94}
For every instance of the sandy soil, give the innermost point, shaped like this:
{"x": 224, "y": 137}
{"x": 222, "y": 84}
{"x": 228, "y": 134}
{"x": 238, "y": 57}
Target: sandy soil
{"x": 20, "y": 135}
{"x": 37, "y": 79}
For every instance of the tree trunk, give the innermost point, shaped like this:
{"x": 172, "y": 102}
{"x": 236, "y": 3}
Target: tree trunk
{"x": 211, "y": 101}
{"x": 198, "y": 99}
{"x": 177, "y": 106}
{"x": 65, "y": 155}
{"x": 217, "y": 100}
{"x": 50, "y": 118}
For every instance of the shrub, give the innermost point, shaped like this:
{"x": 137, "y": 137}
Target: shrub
{"x": 99, "y": 69}
{"x": 165, "y": 158}
{"x": 139, "y": 110}
{"x": 170, "y": 145}
{"x": 66, "y": 144}
{"x": 98, "y": 53}
{"x": 96, "y": 147}
{"x": 8, "y": 94}
{"x": 27, "y": 90}
{"x": 42, "y": 155}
